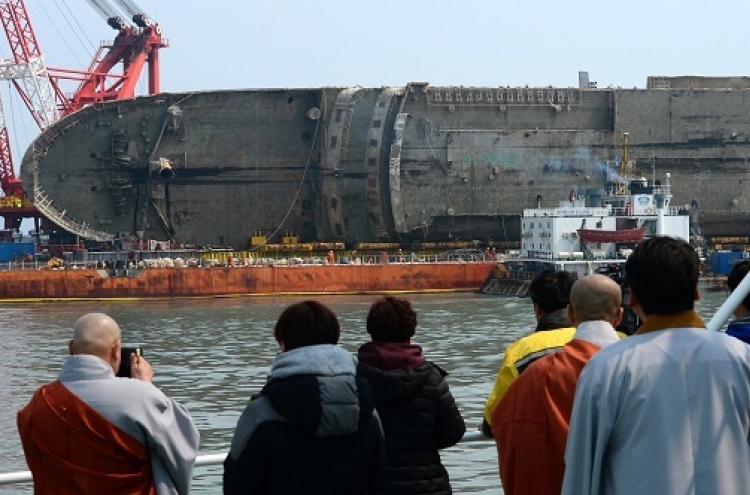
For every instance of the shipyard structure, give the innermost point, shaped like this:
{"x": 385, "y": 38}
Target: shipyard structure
{"x": 391, "y": 164}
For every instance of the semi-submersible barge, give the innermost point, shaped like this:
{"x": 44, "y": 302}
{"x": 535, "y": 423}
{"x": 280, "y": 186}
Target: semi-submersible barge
{"x": 399, "y": 164}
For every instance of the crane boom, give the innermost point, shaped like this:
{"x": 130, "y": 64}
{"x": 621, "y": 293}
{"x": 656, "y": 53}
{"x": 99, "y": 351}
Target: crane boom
{"x": 130, "y": 7}
{"x": 104, "y": 9}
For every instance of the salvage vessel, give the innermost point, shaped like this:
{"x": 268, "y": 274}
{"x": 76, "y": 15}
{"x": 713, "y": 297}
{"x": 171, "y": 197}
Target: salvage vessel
{"x": 594, "y": 230}
{"x": 390, "y": 164}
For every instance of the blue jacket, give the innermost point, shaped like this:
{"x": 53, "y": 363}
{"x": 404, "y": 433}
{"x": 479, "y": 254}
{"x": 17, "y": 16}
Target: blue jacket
{"x": 740, "y": 328}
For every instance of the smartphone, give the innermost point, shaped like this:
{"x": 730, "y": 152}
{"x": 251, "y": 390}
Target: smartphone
{"x": 125, "y": 352}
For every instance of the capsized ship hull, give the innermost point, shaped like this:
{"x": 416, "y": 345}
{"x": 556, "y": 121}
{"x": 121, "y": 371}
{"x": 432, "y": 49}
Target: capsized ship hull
{"x": 236, "y": 281}
{"x": 381, "y": 164}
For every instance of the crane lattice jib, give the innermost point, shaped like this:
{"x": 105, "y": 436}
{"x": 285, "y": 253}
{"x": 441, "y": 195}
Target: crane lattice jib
{"x": 38, "y": 91}
{"x": 10, "y": 184}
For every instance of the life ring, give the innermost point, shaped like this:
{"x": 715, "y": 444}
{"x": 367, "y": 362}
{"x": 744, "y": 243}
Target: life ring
{"x": 649, "y": 211}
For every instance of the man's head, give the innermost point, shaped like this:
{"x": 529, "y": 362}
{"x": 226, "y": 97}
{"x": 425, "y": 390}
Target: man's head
{"x": 736, "y": 274}
{"x": 550, "y": 291}
{"x": 595, "y": 297}
{"x": 98, "y": 335}
{"x": 662, "y": 273}
{"x": 391, "y": 319}
{"x": 306, "y": 323}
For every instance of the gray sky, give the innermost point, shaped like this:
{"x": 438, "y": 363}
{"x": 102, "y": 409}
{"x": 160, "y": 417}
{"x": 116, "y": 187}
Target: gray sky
{"x": 291, "y": 43}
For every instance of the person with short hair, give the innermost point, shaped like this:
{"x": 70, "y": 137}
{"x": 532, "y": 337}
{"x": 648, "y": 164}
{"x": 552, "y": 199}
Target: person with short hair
{"x": 740, "y": 326}
{"x": 666, "y": 410}
{"x": 530, "y": 423}
{"x": 313, "y": 427}
{"x": 415, "y": 405}
{"x": 550, "y": 293}
{"x": 92, "y": 432}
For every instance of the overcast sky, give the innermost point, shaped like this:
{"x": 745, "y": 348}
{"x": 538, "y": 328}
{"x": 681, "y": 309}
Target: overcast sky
{"x": 295, "y": 43}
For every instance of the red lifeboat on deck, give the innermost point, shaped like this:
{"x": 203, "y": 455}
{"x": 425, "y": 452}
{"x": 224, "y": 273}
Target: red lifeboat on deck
{"x": 626, "y": 235}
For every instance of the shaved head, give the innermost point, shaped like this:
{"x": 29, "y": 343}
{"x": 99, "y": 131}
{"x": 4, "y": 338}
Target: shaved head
{"x": 95, "y": 334}
{"x": 595, "y": 297}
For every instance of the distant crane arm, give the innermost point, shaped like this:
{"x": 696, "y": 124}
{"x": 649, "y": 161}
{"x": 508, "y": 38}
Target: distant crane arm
{"x": 130, "y": 7}
{"x": 109, "y": 14}
{"x": 103, "y": 8}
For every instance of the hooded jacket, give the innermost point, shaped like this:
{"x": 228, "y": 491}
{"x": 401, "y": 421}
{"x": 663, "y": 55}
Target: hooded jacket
{"x": 312, "y": 430}
{"x": 418, "y": 413}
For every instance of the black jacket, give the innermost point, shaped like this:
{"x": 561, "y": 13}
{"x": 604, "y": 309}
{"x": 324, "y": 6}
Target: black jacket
{"x": 311, "y": 430}
{"x": 418, "y": 413}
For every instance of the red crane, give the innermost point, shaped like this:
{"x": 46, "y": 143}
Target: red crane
{"x": 39, "y": 87}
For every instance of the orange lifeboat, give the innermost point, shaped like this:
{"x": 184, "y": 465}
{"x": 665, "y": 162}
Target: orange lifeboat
{"x": 626, "y": 235}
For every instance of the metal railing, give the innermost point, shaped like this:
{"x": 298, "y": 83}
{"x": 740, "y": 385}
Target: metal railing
{"x": 204, "y": 460}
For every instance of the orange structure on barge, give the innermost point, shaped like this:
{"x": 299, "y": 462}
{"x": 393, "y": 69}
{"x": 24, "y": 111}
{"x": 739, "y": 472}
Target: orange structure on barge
{"x": 91, "y": 283}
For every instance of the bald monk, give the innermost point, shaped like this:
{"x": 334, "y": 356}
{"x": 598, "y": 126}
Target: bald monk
{"x": 91, "y": 432}
{"x": 530, "y": 423}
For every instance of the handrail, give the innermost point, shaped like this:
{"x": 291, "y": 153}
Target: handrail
{"x": 206, "y": 460}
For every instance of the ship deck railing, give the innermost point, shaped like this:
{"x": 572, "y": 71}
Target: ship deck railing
{"x": 209, "y": 460}
{"x": 591, "y": 211}
{"x": 192, "y": 259}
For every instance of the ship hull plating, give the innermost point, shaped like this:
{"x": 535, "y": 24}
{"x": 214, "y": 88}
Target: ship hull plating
{"x": 385, "y": 164}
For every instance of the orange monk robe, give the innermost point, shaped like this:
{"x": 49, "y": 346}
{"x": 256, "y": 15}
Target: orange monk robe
{"x": 530, "y": 423}
{"x": 72, "y": 449}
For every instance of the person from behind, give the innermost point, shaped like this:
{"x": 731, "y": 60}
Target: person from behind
{"x": 740, "y": 326}
{"x": 92, "y": 432}
{"x": 313, "y": 427}
{"x": 530, "y": 423}
{"x": 666, "y": 410}
{"x": 418, "y": 412}
{"x": 550, "y": 293}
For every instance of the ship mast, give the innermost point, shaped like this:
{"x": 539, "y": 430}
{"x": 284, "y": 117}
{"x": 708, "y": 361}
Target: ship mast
{"x": 626, "y": 170}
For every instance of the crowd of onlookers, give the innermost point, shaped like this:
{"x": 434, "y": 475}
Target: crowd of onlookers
{"x": 577, "y": 408}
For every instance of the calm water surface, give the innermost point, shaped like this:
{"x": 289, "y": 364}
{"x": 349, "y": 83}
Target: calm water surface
{"x": 211, "y": 355}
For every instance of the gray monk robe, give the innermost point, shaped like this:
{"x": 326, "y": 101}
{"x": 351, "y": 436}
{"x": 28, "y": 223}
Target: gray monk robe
{"x": 135, "y": 408}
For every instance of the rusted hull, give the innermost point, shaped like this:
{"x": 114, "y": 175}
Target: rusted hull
{"x": 264, "y": 280}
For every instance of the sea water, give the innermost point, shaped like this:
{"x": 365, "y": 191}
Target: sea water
{"x": 212, "y": 354}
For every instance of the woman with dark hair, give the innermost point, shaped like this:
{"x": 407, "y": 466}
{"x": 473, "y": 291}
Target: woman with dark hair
{"x": 312, "y": 429}
{"x": 417, "y": 410}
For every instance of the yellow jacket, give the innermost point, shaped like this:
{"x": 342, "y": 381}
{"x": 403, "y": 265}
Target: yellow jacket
{"x": 520, "y": 355}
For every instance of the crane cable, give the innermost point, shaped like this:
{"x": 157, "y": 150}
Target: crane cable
{"x": 64, "y": 39}
{"x": 299, "y": 186}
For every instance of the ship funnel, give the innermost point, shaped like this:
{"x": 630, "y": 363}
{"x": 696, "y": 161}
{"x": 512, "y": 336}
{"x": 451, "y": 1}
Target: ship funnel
{"x": 162, "y": 170}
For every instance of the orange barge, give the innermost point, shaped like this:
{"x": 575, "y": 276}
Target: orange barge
{"x": 89, "y": 283}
